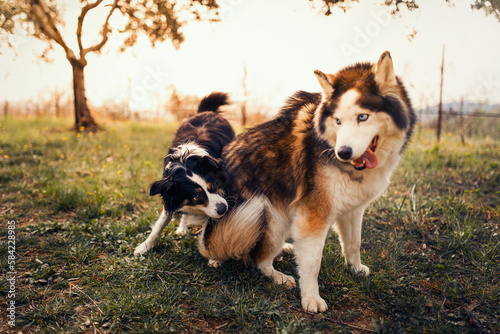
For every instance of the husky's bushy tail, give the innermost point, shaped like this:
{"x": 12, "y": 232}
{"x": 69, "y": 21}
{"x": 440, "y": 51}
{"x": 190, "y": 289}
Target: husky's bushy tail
{"x": 235, "y": 235}
{"x": 213, "y": 101}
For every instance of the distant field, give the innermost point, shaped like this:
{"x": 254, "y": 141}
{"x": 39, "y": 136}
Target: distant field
{"x": 80, "y": 205}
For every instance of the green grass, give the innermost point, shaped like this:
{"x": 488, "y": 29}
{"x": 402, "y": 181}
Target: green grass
{"x": 81, "y": 206}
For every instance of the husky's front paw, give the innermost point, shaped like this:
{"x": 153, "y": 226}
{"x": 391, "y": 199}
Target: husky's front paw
{"x": 361, "y": 269}
{"x": 141, "y": 249}
{"x": 282, "y": 279}
{"x": 214, "y": 263}
{"x": 314, "y": 304}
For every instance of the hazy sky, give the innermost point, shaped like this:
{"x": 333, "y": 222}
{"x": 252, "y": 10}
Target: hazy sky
{"x": 281, "y": 42}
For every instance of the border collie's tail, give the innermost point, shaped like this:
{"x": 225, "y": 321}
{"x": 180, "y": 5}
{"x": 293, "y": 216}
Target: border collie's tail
{"x": 213, "y": 101}
{"x": 235, "y": 235}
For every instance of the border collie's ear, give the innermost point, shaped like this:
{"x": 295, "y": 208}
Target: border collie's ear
{"x": 210, "y": 164}
{"x": 192, "y": 162}
{"x": 160, "y": 186}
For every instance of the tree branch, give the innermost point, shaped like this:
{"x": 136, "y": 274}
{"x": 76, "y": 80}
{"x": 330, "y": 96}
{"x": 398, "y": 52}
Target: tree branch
{"x": 46, "y": 22}
{"x": 105, "y": 32}
{"x": 84, "y": 12}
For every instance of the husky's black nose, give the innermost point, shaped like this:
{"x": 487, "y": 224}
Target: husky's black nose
{"x": 345, "y": 153}
{"x": 221, "y": 208}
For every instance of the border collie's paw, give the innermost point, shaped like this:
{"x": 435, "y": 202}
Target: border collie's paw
{"x": 288, "y": 248}
{"x": 181, "y": 230}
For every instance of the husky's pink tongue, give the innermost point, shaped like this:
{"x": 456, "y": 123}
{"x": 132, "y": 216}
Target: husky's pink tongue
{"x": 368, "y": 160}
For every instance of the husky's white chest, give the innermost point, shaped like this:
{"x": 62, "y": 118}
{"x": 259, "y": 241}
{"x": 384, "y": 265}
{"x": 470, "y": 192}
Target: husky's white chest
{"x": 347, "y": 192}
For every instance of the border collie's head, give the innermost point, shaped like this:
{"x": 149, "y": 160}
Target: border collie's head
{"x": 196, "y": 185}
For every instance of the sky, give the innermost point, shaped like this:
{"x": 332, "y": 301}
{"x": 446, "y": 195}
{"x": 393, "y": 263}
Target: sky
{"x": 281, "y": 43}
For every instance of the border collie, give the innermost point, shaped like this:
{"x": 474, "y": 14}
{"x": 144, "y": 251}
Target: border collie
{"x": 194, "y": 183}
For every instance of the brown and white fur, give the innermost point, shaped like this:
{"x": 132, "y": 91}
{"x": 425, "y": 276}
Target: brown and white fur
{"x": 318, "y": 164}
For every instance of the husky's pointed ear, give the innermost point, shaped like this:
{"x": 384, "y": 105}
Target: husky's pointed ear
{"x": 160, "y": 186}
{"x": 326, "y": 82}
{"x": 384, "y": 74}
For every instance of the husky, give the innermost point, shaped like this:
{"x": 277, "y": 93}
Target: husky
{"x": 194, "y": 183}
{"x": 317, "y": 165}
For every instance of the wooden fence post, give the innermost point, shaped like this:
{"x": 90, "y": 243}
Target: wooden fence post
{"x": 440, "y": 107}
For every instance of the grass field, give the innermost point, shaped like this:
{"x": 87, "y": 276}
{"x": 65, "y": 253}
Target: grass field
{"x": 80, "y": 205}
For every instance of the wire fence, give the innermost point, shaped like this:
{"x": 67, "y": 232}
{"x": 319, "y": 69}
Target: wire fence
{"x": 471, "y": 122}
{"x": 452, "y": 113}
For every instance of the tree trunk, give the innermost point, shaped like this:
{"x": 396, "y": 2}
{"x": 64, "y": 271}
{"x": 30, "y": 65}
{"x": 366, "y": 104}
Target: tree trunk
{"x": 83, "y": 118}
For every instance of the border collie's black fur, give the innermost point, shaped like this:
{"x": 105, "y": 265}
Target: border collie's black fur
{"x": 194, "y": 181}
{"x": 208, "y": 130}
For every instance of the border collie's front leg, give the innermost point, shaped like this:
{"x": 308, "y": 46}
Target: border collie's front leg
{"x": 158, "y": 227}
{"x": 190, "y": 220}
{"x": 183, "y": 226}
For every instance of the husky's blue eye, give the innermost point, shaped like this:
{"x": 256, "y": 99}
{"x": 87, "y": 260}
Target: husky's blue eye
{"x": 338, "y": 121}
{"x": 362, "y": 117}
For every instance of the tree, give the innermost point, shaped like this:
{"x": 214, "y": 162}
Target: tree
{"x": 158, "y": 19}
{"x": 489, "y": 6}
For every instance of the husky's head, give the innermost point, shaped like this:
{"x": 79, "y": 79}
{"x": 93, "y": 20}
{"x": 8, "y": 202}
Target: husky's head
{"x": 365, "y": 113}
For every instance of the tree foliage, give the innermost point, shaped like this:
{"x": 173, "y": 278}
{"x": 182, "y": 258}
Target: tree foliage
{"x": 162, "y": 19}
{"x": 345, "y": 5}
{"x": 490, "y": 7}
{"x": 159, "y": 20}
